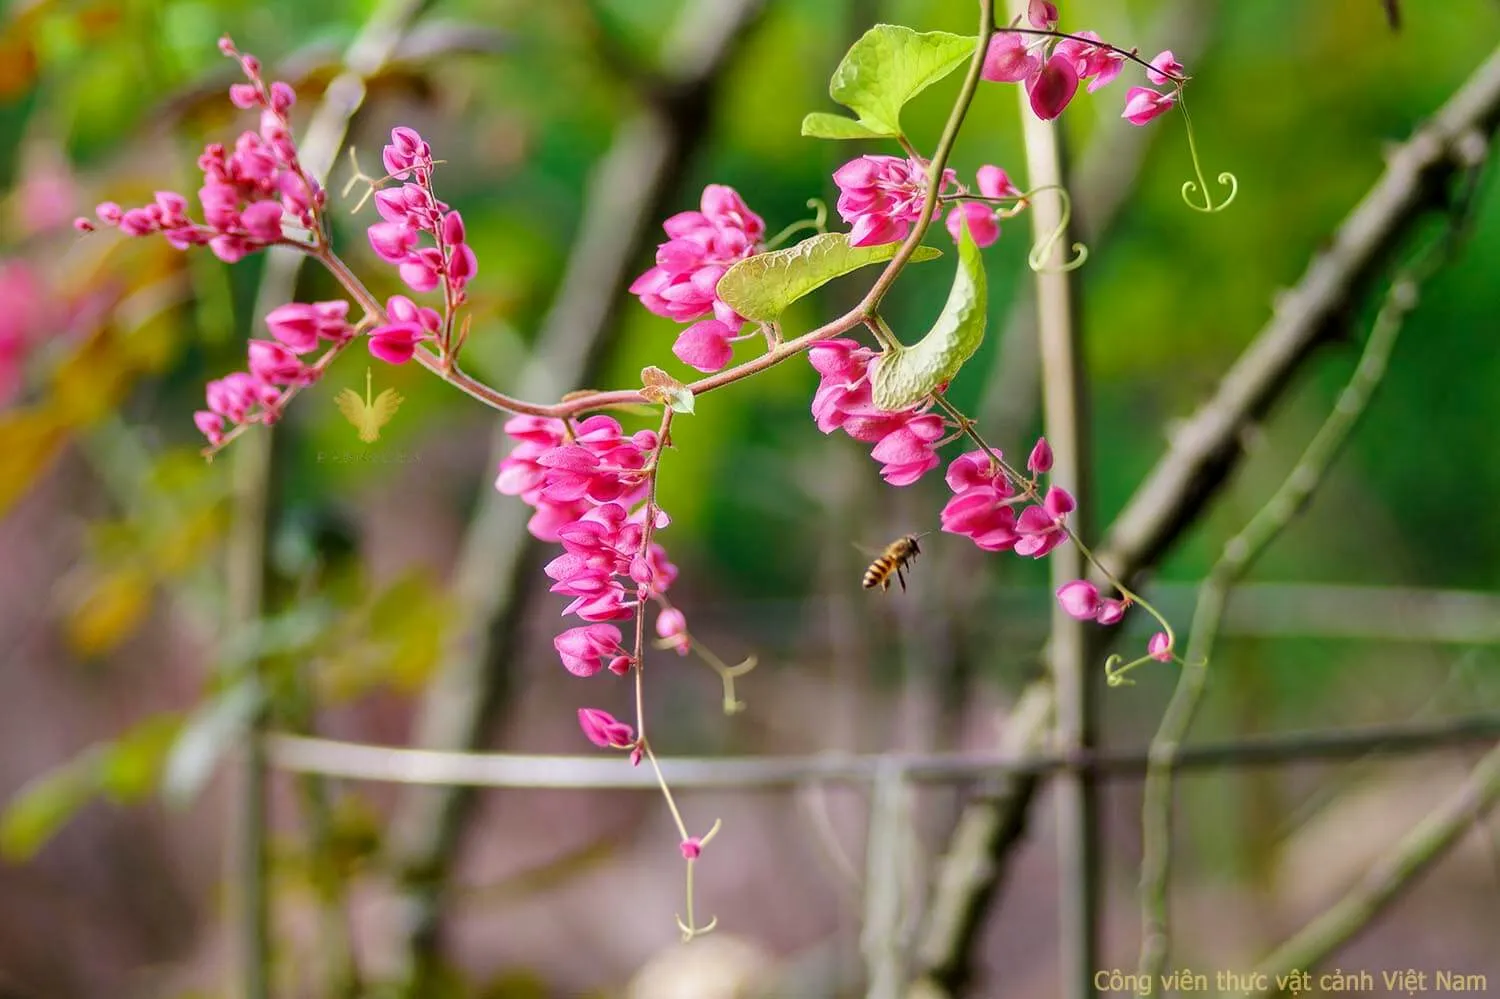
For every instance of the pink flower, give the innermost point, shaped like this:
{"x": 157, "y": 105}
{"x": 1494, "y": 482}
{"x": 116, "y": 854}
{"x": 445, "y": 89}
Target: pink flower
{"x": 1111, "y": 611}
{"x": 671, "y": 625}
{"x": 1164, "y": 67}
{"x": 1160, "y": 647}
{"x": 1092, "y": 60}
{"x": 210, "y": 424}
{"x": 1040, "y": 459}
{"x": 1008, "y": 60}
{"x": 1041, "y": 14}
{"x": 295, "y": 325}
{"x": 904, "y": 441}
{"x": 276, "y": 365}
{"x": 604, "y": 730}
{"x": 1053, "y": 87}
{"x": 984, "y": 228}
{"x": 705, "y": 345}
{"x": 586, "y": 650}
{"x": 692, "y": 848}
{"x": 1041, "y": 527}
{"x": 703, "y": 245}
{"x": 396, "y": 343}
{"x": 1080, "y": 599}
{"x": 996, "y": 183}
{"x": 982, "y": 515}
{"x": 1143, "y": 104}
{"x": 880, "y": 196}
{"x": 392, "y": 241}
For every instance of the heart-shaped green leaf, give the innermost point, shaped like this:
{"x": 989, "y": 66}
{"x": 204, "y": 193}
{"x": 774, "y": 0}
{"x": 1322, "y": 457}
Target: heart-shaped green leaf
{"x": 887, "y": 67}
{"x": 903, "y": 377}
{"x": 761, "y": 287}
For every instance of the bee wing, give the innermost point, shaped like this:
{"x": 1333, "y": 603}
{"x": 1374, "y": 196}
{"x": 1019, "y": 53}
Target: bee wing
{"x": 872, "y": 552}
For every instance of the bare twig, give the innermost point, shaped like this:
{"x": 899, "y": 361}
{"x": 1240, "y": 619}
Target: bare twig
{"x": 627, "y": 196}
{"x": 359, "y": 761}
{"x": 1209, "y": 447}
{"x": 1392, "y": 874}
{"x": 1065, "y": 418}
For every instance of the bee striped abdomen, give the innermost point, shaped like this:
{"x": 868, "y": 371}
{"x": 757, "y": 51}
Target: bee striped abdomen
{"x": 892, "y": 561}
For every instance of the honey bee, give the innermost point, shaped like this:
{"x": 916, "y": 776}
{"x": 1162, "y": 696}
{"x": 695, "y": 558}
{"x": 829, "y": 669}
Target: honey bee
{"x": 897, "y": 555}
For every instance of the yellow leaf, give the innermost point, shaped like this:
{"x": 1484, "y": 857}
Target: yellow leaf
{"x": 111, "y": 609}
{"x": 28, "y": 440}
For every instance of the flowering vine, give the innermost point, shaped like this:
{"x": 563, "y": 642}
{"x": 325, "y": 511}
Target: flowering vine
{"x": 591, "y": 485}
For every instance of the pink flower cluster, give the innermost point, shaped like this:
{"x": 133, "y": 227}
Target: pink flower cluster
{"x": 246, "y": 192}
{"x": 1052, "y": 68}
{"x": 983, "y": 506}
{"x": 683, "y": 284}
{"x": 587, "y": 484}
{"x": 905, "y": 443}
{"x": 412, "y": 210}
{"x": 255, "y": 396}
{"x": 881, "y": 196}
{"x": 1082, "y": 600}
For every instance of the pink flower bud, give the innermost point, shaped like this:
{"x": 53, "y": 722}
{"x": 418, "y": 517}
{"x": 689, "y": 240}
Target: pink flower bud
{"x": 1160, "y": 647}
{"x": 1007, "y": 59}
{"x": 392, "y": 241}
{"x": 583, "y": 650}
{"x": 1080, "y": 599}
{"x": 296, "y": 325}
{"x": 604, "y": 730}
{"x": 984, "y": 228}
{"x": 262, "y": 220}
{"x": 1053, "y": 87}
{"x": 210, "y": 424}
{"x": 226, "y": 45}
{"x": 244, "y": 95}
{"x": 82, "y": 224}
{"x": 453, "y": 229}
{"x": 109, "y": 212}
{"x": 705, "y": 345}
{"x": 1040, "y": 459}
{"x": 250, "y": 65}
{"x": 462, "y": 265}
{"x": 230, "y": 249}
{"x": 1164, "y": 67}
{"x": 282, "y": 97}
{"x": 420, "y": 270}
{"x": 137, "y": 222}
{"x": 620, "y": 665}
{"x": 1111, "y": 611}
{"x": 671, "y": 624}
{"x": 395, "y": 343}
{"x": 276, "y": 365}
{"x": 1041, "y": 14}
{"x": 692, "y": 848}
{"x": 1143, "y": 104}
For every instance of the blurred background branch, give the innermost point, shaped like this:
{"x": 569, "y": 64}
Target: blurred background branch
{"x": 1207, "y": 448}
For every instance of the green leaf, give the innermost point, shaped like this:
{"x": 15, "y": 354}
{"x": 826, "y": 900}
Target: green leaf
{"x": 130, "y": 767}
{"x": 209, "y": 731}
{"x": 822, "y": 125}
{"x": 658, "y": 386}
{"x": 903, "y": 377}
{"x": 761, "y": 287}
{"x": 890, "y": 65}
{"x": 44, "y": 805}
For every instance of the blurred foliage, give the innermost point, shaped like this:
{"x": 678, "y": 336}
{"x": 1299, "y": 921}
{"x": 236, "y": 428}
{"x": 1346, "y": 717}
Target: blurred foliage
{"x": 114, "y": 100}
